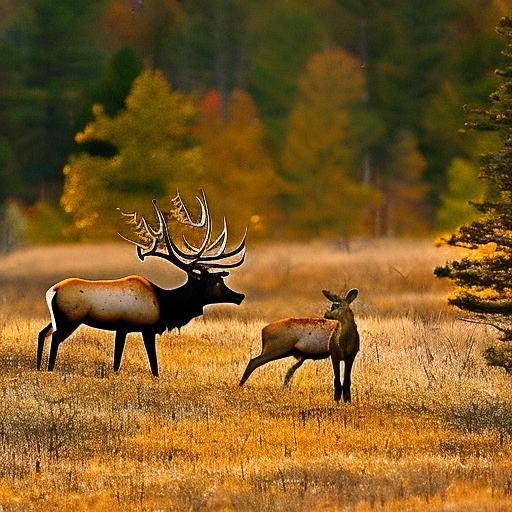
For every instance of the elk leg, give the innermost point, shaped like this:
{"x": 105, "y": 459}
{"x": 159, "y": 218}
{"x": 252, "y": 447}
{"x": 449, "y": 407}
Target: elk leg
{"x": 291, "y": 371}
{"x": 119, "y": 342}
{"x": 149, "y": 344}
{"x": 57, "y": 338}
{"x": 40, "y": 343}
{"x": 337, "y": 382}
{"x": 346, "y": 379}
{"x": 258, "y": 361}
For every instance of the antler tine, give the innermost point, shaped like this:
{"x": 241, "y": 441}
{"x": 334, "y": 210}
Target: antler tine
{"x": 182, "y": 215}
{"x": 222, "y": 239}
{"x": 228, "y": 265}
{"x": 174, "y": 254}
{"x": 240, "y": 248}
{"x": 207, "y": 235}
{"x": 154, "y": 237}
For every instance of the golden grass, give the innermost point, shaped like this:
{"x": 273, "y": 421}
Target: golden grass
{"x": 429, "y": 427}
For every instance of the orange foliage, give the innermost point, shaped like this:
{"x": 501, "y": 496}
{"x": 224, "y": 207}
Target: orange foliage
{"x": 238, "y": 172}
{"x": 407, "y": 192}
{"x": 321, "y": 158}
{"x": 143, "y": 29}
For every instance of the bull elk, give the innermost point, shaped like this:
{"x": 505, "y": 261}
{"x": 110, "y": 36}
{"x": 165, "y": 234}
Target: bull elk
{"x": 333, "y": 336}
{"x": 134, "y": 304}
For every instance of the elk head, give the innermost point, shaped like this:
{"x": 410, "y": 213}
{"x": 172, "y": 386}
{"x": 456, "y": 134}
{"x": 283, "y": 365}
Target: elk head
{"x": 340, "y": 306}
{"x": 205, "y": 264}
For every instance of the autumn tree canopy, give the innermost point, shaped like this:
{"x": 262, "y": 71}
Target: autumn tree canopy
{"x": 321, "y": 161}
{"x": 239, "y": 174}
{"x": 152, "y": 154}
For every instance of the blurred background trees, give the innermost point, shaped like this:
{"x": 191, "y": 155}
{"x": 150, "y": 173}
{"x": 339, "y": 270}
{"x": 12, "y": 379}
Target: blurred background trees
{"x": 334, "y": 118}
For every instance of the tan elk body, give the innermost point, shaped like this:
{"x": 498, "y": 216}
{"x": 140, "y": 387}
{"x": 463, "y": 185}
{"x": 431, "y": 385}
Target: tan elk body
{"x": 334, "y": 336}
{"x": 104, "y": 304}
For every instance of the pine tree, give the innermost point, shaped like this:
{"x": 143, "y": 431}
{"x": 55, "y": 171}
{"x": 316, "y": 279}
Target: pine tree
{"x": 483, "y": 278}
{"x": 153, "y": 155}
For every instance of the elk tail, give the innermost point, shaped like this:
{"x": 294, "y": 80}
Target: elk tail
{"x": 50, "y": 295}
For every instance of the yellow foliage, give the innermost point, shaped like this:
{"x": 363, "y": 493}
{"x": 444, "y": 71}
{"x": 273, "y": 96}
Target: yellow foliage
{"x": 153, "y": 156}
{"x": 488, "y": 249}
{"x": 407, "y": 193}
{"x": 321, "y": 159}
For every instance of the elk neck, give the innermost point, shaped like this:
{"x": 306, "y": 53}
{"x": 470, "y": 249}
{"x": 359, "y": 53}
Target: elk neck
{"x": 179, "y": 305}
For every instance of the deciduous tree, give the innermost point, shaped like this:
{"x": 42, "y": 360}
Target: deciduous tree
{"x": 238, "y": 172}
{"x": 407, "y": 190}
{"x": 153, "y": 155}
{"x": 322, "y": 157}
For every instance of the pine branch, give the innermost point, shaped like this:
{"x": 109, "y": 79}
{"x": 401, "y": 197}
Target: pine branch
{"x": 507, "y": 332}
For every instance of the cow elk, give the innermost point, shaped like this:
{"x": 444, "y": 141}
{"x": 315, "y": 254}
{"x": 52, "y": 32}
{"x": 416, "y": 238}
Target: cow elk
{"x": 333, "y": 336}
{"x": 134, "y": 304}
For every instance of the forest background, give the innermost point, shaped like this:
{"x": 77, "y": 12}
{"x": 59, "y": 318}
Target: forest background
{"x": 328, "y": 119}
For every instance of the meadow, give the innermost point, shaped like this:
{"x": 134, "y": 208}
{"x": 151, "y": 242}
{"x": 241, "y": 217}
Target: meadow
{"x": 429, "y": 427}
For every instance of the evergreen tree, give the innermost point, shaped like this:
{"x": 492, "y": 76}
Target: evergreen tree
{"x": 110, "y": 92}
{"x": 281, "y": 38}
{"x": 154, "y": 154}
{"x": 54, "y": 59}
{"x": 483, "y": 277}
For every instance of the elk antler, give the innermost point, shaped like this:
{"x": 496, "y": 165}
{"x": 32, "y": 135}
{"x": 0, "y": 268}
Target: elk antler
{"x": 193, "y": 260}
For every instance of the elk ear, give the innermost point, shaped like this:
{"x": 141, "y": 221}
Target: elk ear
{"x": 331, "y": 296}
{"x": 351, "y": 295}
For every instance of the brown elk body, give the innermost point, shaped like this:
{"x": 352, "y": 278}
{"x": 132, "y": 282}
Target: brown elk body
{"x": 334, "y": 336}
{"x": 134, "y": 304}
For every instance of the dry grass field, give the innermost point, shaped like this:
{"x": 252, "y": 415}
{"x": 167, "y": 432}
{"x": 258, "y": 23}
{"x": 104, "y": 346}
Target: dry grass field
{"x": 429, "y": 428}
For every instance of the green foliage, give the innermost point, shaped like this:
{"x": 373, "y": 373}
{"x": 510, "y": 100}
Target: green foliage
{"x": 280, "y": 40}
{"x": 112, "y": 90}
{"x": 462, "y": 187}
{"x": 50, "y": 62}
{"x": 154, "y": 155}
{"x": 482, "y": 278}
{"x": 406, "y": 194}
{"x": 422, "y": 61}
{"x": 321, "y": 159}
{"x": 49, "y": 224}
{"x": 8, "y": 177}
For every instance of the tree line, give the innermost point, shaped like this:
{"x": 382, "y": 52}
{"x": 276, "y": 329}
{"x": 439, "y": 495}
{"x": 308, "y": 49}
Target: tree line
{"x": 333, "y": 119}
